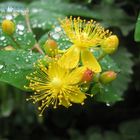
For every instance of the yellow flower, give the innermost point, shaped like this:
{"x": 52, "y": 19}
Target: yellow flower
{"x": 56, "y": 86}
{"x": 83, "y": 35}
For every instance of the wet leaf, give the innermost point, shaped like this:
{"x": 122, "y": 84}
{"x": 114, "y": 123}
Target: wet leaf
{"x": 15, "y": 66}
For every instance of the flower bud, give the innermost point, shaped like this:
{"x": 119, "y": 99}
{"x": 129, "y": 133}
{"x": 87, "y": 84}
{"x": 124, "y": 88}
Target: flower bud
{"x": 51, "y": 47}
{"x": 107, "y": 77}
{"x": 8, "y": 27}
{"x": 110, "y": 44}
{"x": 87, "y": 76}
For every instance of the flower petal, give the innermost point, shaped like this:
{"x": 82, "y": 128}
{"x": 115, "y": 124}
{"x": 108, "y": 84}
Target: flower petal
{"x": 77, "y": 97}
{"x": 64, "y": 103}
{"x": 76, "y": 75}
{"x": 71, "y": 58}
{"x": 90, "y": 61}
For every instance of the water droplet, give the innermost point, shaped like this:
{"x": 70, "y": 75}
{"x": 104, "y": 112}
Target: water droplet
{"x": 12, "y": 69}
{"x": 20, "y": 27}
{"x": 19, "y": 39}
{"x": 17, "y": 58}
{"x": 39, "y": 25}
{"x": 16, "y": 72}
{"x": 10, "y": 9}
{"x": 4, "y": 71}
{"x": 109, "y": 66}
{"x": 56, "y": 36}
{"x": 9, "y": 17}
{"x": 107, "y": 104}
{"x": 57, "y": 29}
{"x": 20, "y": 33}
{"x": 1, "y": 66}
{"x": 106, "y": 90}
{"x": 28, "y": 43}
{"x": 2, "y": 38}
{"x": 26, "y": 60}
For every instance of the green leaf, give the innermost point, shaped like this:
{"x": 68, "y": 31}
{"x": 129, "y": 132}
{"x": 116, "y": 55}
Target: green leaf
{"x": 8, "y": 7}
{"x": 63, "y": 8}
{"x": 105, "y": 93}
{"x": 124, "y": 61}
{"x": 115, "y": 17}
{"x": 137, "y": 30}
{"x": 15, "y": 66}
{"x": 107, "y": 63}
{"x": 44, "y": 19}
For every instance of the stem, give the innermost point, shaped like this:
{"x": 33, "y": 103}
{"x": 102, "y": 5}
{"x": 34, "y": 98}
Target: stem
{"x": 36, "y": 46}
{"x": 13, "y": 39}
{"x": 28, "y": 21}
{"x": 101, "y": 56}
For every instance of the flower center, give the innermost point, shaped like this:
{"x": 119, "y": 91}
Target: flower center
{"x": 57, "y": 83}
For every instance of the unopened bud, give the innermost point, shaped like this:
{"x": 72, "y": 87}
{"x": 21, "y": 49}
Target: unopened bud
{"x": 8, "y": 27}
{"x": 107, "y": 77}
{"x": 110, "y": 44}
{"x": 87, "y": 76}
{"x": 51, "y": 47}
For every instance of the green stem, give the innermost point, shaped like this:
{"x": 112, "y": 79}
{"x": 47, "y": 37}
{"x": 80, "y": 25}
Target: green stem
{"x": 101, "y": 56}
{"x": 13, "y": 39}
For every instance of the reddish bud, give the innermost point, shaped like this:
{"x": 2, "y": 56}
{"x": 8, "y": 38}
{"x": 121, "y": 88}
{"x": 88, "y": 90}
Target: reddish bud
{"x": 51, "y": 47}
{"x": 87, "y": 76}
{"x": 107, "y": 77}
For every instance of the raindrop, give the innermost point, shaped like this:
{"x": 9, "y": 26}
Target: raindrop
{"x": 2, "y": 38}
{"x": 16, "y": 72}
{"x": 12, "y": 69}
{"x": 19, "y": 39}
{"x": 109, "y": 66}
{"x": 106, "y": 90}
{"x": 39, "y": 25}
{"x": 26, "y": 60}
{"x": 1, "y": 66}
{"x": 29, "y": 56}
{"x": 20, "y": 27}
{"x": 107, "y": 104}
{"x": 20, "y": 33}
{"x": 56, "y": 36}
{"x": 57, "y": 29}
{"x": 9, "y": 17}
{"x": 10, "y": 9}
{"x": 28, "y": 43}
{"x": 17, "y": 58}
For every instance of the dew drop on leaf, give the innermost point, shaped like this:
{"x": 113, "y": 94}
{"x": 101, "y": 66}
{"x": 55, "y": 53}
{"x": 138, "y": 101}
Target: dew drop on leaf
{"x": 20, "y": 33}
{"x": 2, "y": 38}
{"x": 1, "y": 66}
{"x": 20, "y": 27}
{"x": 107, "y": 104}
{"x": 9, "y": 17}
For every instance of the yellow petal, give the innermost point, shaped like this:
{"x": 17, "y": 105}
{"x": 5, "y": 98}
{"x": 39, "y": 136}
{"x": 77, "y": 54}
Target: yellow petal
{"x": 77, "y": 97}
{"x": 70, "y": 59}
{"x": 76, "y": 75}
{"x": 64, "y": 103}
{"x": 90, "y": 61}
